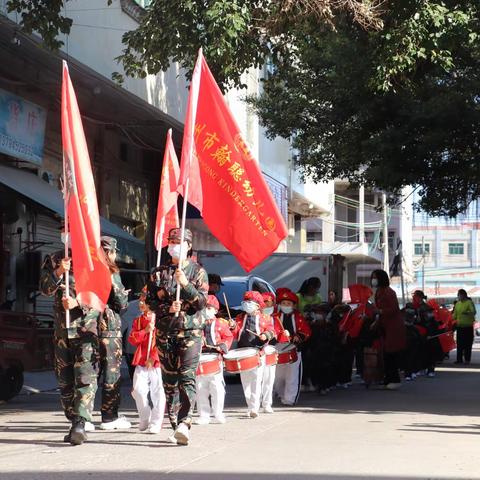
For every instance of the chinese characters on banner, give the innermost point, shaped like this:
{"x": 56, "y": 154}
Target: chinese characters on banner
{"x": 92, "y": 275}
{"x": 235, "y": 201}
{"x": 22, "y": 128}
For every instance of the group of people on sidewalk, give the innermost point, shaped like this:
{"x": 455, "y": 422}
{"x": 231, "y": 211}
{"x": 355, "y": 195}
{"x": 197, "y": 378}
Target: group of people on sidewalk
{"x": 184, "y": 343}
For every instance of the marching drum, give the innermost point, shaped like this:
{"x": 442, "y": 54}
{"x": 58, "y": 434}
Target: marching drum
{"x": 210, "y": 364}
{"x": 287, "y": 353}
{"x": 271, "y": 355}
{"x": 241, "y": 360}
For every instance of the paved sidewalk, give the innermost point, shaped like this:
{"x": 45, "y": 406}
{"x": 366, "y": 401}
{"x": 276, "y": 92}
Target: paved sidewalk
{"x": 427, "y": 430}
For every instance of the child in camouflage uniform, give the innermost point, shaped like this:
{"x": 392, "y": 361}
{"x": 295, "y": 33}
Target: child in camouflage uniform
{"x": 179, "y": 330}
{"x": 110, "y": 343}
{"x": 76, "y": 349}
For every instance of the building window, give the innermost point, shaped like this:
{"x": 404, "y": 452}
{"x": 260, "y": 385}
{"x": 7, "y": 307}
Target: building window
{"x": 314, "y": 236}
{"x": 456, "y": 249}
{"x": 417, "y": 249}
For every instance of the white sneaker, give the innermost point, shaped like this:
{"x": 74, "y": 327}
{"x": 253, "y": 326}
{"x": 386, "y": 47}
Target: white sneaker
{"x": 220, "y": 420}
{"x": 252, "y": 414}
{"x": 393, "y": 386}
{"x": 408, "y": 379}
{"x": 121, "y": 423}
{"x": 430, "y": 375}
{"x": 172, "y": 439}
{"x": 89, "y": 427}
{"x": 182, "y": 435}
{"x": 155, "y": 428}
{"x": 267, "y": 409}
{"x": 202, "y": 421}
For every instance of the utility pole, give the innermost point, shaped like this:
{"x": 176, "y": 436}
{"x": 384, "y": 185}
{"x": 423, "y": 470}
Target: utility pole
{"x": 361, "y": 214}
{"x": 423, "y": 264}
{"x": 386, "y": 262}
{"x": 399, "y": 255}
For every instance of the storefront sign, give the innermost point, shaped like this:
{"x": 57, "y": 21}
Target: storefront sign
{"x": 22, "y": 128}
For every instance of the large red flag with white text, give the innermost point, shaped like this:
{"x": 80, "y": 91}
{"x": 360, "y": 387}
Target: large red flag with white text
{"x": 167, "y": 212}
{"x": 92, "y": 275}
{"x": 226, "y": 183}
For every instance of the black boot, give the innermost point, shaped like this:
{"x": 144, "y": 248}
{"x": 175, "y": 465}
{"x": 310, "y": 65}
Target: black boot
{"x": 77, "y": 432}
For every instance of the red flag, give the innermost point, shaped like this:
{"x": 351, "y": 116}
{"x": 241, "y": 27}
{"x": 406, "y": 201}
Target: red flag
{"x": 189, "y": 165}
{"x": 92, "y": 275}
{"x": 167, "y": 198}
{"x": 226, "y": 183}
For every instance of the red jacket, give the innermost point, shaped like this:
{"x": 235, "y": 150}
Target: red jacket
{"x": 221, "y": 334}
{"x": 391, "y": 320}
{"x": 264, "y": 325}
{"x": 139, "y": 338}
{"x": 300, "y": 327}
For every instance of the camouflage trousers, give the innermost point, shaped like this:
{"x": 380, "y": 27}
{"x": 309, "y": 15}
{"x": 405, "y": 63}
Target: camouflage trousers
{"x": 76, "y": 368}
{"x": 109, "y": 377}
{"x": 179, "y": 359}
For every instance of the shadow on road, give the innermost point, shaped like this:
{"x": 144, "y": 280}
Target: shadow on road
{"x": 139, "y": 475}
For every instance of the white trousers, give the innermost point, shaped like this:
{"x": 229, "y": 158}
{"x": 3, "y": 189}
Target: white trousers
{"x": 252, "y": 387}
{"x": 147, "y": 380}
{"x": 288, "y": 379}
{"x": 212, "y": 386}
{"x": 268, "y": 381}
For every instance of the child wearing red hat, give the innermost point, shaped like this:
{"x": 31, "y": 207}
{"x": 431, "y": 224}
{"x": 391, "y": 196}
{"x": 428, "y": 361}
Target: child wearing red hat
{"x": 253, "y": 329}
{"x": 290, "y": 327}
{"x": 148, "y": 375}
{"x": 217, "y": 338}
{"x": 268, "y": 378}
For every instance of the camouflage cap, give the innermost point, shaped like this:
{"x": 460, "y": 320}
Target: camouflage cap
{"x": 176, "y": 234}
{"x": 109, "y": 243}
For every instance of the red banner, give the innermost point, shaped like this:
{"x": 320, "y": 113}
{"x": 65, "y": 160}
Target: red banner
{"x": 167, "y": 199}
{"x": 92, "y": 275}
{"x": 230, "y": 190}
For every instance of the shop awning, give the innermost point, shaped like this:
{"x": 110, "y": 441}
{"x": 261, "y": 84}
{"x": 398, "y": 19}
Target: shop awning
{"x": 37, "y": 190}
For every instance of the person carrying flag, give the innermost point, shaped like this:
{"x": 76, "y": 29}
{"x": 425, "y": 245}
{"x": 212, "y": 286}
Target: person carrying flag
{"x": 75, "y": 349}
{"x": 179, "y": 327}
{"x": 110, "y": 343}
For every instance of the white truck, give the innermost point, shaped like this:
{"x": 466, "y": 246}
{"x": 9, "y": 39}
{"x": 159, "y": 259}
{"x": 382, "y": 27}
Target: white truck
{"x": 281, "y": 269}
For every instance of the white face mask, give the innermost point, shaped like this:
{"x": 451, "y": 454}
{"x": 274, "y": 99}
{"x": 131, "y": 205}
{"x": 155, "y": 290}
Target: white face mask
{"x": 174, "y": 250}
{"x": 268, "y": 310}
{"x": 210, "y": 313}
{"x": 285, "y": 309}
{"x": 374, "y": 282}
{"x": 249, "y": 306}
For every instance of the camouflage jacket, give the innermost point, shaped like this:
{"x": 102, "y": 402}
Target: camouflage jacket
{"x": 193, "y": 296}
{"x": 110, "y": 324}
{"x": 83, "y": 319}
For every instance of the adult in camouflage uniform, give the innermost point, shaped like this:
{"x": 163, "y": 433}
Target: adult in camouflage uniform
{"x": 110, "y": 340}
{"x": 179, "y": 338}
{"x": 76, "y": 349}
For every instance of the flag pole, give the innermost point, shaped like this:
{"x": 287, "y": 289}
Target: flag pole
{"x": 183, "y": 254}
{"x": 191, "y": 127}
{"x": 159, "y": 241}
{"x": 150, "y": 335}
{"x": 67, "y": 241}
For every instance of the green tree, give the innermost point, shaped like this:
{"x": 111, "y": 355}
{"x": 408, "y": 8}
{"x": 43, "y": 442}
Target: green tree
{"x": 383, "y": 93}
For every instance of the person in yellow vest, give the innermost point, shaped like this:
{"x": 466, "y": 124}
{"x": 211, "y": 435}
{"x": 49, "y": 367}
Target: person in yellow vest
{"x": 309, "y": 293}
{"x": 464, "y": 314}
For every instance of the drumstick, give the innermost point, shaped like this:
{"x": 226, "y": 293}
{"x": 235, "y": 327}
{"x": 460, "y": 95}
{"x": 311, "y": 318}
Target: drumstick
{"x": 253, "y": 333}
{"x": 226, "y": 304}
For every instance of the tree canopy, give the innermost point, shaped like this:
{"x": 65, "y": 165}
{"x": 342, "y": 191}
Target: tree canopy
{"x": 382, "y": 93}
